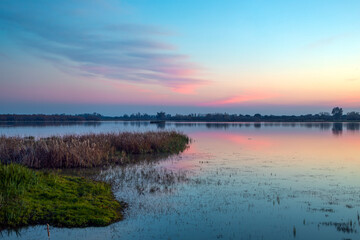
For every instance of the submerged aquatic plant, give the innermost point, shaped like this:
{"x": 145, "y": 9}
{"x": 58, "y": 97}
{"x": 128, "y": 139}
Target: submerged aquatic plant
{"x": 145, "y": 178}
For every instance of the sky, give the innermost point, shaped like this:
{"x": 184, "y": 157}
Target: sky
{"x": 117, "y": 57}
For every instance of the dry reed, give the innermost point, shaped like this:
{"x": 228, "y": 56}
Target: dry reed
{"x": 89, "y": 150}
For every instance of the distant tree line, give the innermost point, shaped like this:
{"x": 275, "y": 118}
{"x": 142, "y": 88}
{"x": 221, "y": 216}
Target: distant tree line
{"x": 336, "y": 115}
{"x": 49, "y": 118}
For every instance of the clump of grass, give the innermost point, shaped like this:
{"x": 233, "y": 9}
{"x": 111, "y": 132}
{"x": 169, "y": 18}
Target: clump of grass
{"x": 89, "y": 150}
{"x": 29, "y": 197}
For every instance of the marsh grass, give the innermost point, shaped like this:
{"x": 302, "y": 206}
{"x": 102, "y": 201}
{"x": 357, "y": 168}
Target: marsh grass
{"x": 72, "y": 151}
{"x": 30, "y": 197}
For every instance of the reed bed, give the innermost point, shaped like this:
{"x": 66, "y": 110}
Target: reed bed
{"x": 90, "y": 150}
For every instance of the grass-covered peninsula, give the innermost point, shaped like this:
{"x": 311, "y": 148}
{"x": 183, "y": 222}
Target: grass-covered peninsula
{"x": 42, "y": 196}
{"x": 30, "y": 197}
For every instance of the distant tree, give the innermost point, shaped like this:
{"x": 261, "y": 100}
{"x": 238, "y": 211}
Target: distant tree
{"x": 160, "y": 115}
{"x": 353, "y": 116}
{"x": 337, "y": 112}
{"x": 325, "y": 114}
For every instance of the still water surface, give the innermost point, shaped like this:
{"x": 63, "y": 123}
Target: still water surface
{"x": 236, "y": 181}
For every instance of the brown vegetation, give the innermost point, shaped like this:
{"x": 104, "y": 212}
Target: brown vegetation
{"x": 88, "y": 150}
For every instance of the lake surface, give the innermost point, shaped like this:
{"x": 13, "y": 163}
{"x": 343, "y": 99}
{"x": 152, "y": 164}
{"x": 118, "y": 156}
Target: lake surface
{"x": 236, "y": 181}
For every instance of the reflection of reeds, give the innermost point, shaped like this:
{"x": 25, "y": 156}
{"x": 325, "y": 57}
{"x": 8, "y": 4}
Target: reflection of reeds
{"x": 145, "y": 178}
{"x": 294, "y": 231}
{"x": 88, "y": 150}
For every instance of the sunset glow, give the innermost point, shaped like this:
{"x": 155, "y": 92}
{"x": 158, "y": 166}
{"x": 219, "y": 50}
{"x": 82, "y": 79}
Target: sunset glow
{"x": 281, "y": 57}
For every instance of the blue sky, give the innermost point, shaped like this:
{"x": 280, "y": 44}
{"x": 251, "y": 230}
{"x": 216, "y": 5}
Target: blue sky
{"x": 179, "y": 56}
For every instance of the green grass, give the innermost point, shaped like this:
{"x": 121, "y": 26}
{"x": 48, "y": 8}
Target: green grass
{"x": 29, "y": 197}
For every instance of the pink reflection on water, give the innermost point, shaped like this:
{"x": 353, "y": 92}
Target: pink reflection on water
{"x": 297, "y": 149}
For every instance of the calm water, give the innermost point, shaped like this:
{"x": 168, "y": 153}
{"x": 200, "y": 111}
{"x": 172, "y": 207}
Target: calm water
{"x": 236, "y": 181}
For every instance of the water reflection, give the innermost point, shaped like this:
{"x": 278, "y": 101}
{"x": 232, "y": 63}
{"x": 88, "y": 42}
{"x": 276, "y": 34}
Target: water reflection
{"x": 353, "y": 126}
{"x": 336, "y": 128}
{"x": 160, "y": 125}
{"x": 236, "y": 181}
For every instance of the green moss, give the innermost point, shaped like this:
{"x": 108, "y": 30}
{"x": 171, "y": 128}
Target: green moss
{"x": 29, "y": 197}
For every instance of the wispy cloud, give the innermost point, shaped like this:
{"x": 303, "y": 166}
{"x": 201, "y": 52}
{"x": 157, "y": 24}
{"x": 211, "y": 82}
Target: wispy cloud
{"x": 326, "y": 41}
{"x": 122, "y": 51}
{"x": 137, "y": 29}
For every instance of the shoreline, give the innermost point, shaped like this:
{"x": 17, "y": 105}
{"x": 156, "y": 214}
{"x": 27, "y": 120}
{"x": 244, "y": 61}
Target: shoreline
{"x": 48, "y": 197}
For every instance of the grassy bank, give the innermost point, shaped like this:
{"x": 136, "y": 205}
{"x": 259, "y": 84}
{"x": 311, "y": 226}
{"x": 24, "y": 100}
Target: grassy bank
{"x": 29, "y": 197}
{"x": 88, "y": 150}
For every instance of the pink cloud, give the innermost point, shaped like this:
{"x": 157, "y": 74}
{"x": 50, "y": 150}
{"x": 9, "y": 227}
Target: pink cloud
{"x": 181, "y": 77}
{"x": 181, "y": 72}
{"x": 185, "y": 89}
{"x": 239, "y": 99}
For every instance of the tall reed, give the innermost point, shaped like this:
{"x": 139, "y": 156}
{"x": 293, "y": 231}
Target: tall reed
{"x": 88, "y": 150}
